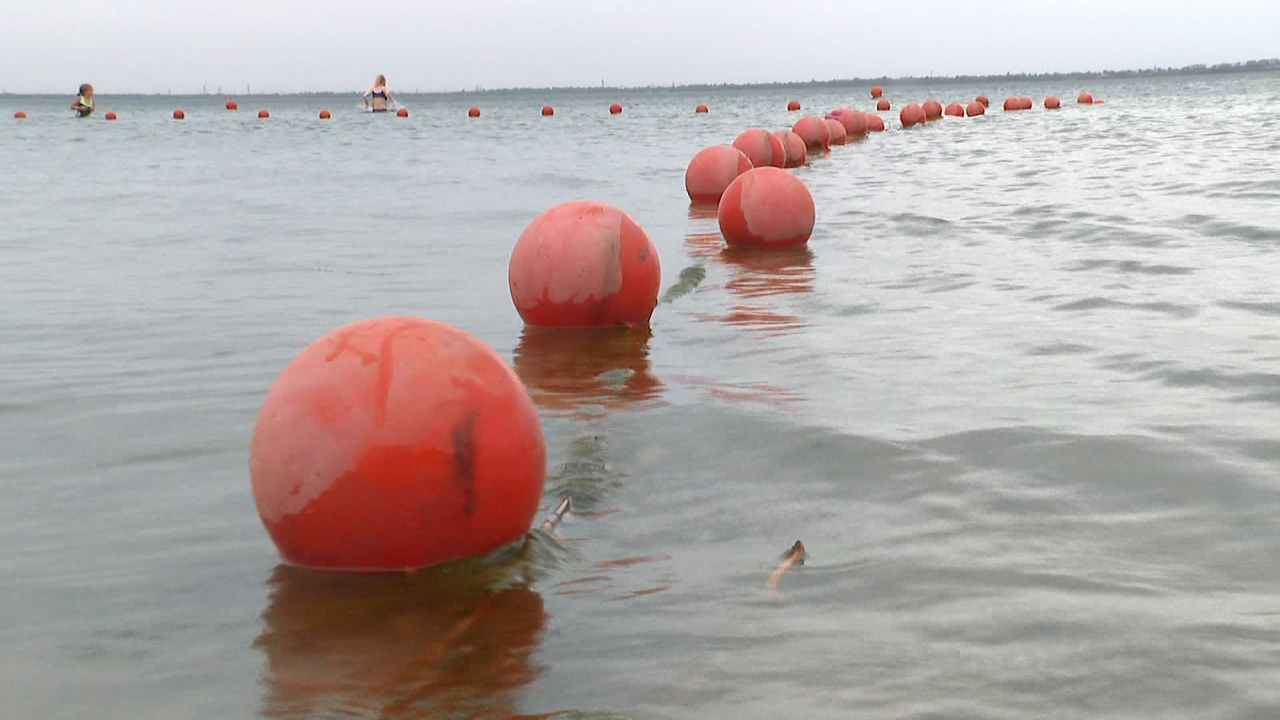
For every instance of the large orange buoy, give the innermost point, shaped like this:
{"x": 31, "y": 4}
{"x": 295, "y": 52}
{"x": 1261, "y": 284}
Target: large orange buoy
{"x": 711, "y": 171}
{"x": 883, "y": 105}
{"x": 548, "y": 111}
{"x": 796, "y": 154}
{"x": 876, "y": 91}
{"x": 911, "y": 114}
{"x": 932, "y": 110}
{"x": 232, "y": 104}
{"x": 814, "y": 131}
{"x": 954, "y": 109}
{"x": 793, "y": 106}
{"x": 836, "y": 134}
{"x": 402, "y": 112}
{"x": 854, "y": 122}
{"x": 264, "y": 114}
{"x": 761, "y": 148}
{"x": 325, "y": 115}
{"x": 701, "y": 108}
{"x": 473, "y": 111}
{"x": 1052, "y": 102}
{"x": 975, "y": 108}
{"x": 1027, "y": 102}
{"x": 18, "y": 115}
{"x": 766, "y": 208}
{"x": 110, "y": 115}
{"x": 1012, "y": 103}
{"x": 986, "y": 102}
{"x": 179, "y": 114}
{"x": 392, "y": 444}
{"x": 615, "y": 108}
{"x": 875, "y": 123}
{"x": 584, "y": 264}
{"x": 1085, "y": 98}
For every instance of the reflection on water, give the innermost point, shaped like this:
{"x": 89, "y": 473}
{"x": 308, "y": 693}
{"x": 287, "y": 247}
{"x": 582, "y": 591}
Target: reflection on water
{"x": 583, "y": 373}
{"x": 438, "y": 644}
{"x": 703, "y": 210}
{"x": 759, "y": 273}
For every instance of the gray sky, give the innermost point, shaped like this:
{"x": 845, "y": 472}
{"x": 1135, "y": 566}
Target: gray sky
{"x": 297, "y": 45}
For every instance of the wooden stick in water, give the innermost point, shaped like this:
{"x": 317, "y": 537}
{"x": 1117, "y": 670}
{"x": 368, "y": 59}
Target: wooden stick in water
{"x": 557, "y": 516}
{"x": 795, "y": 556}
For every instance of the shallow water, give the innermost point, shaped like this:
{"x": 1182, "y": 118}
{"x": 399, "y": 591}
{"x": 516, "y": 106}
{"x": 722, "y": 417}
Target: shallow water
{"x": 1018, "y": 398}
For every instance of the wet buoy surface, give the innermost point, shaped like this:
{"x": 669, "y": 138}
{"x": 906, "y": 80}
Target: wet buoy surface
{"x": 932, "y": 109}
{"x": 911, "y": 114}
{"x": 796, "y": 154}
{"x": 876, "y": 91}
{"x": 232, "y": 104}
{"x": 615, "y": 109}
{"x": 1027, "y": 102}
{"x": 766, "y": 208}
{"x": 1052, "y": 102}
{"x": 975, "y": 108}
{"x": 264, "y": 114}
{"x": 986, "y": 102}
{"x": 1012, "y": 103}
{"x": 548, "y": 111}
{"x": 179, "y": 114}
{"x": 761, "y": 147}
{"x": 325, "y": 115}
{"x": 584, "y": 264}
{"x": 814, "y": 132}
{"x": 473, "y": 112}
{"x": 402, "y": 112}
{"x": 1084, "y": 98}
{"x": 875, "y": 123}
{"x": 1099, "y": 101}
{"x": 393, "y": 444}
{"x": 854, "y": 122}
{"x": 883, "y": 105}
{"x": 712, "y": 169}
{"x": 793, "y": 106}
{"x": 954, "y": 109}
{"x": 701, "y": 108}
{"x": 110, "y": 115}
{"x": 836, "y": 134}
{"x": 19, "y": 115}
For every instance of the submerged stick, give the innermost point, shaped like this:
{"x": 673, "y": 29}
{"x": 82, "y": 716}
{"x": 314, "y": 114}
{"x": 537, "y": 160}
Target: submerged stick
{"x": 795, "y": 556}
{"x": 556, "y": 517}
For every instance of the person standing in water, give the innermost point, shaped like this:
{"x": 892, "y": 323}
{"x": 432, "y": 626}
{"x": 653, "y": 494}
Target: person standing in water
{"x": 83, "y": 104}
{"x": 378, "y": 98}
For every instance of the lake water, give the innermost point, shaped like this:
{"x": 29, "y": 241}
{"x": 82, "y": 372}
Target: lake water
{"x": 1019, "y": 399}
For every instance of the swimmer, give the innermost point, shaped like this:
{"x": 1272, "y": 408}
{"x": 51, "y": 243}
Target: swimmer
{"x": 83, "y": 104}
{"x": 378, "y": 98}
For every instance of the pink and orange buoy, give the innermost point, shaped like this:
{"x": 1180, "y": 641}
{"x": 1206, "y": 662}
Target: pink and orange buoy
{"x": 615, "y": 109}
{"x": 402, "y": 112}
{"x": 875, "y": 123}
{"x": 975, "y": 109}
{"x": 584, "y": 264}
{"x": 814, "y": 131}
{"x": 19, "y": 115}
{"x": 712, "y": 169}
{"x": 548, "y": 111}
{"x": 231, "y": 104}
{"x": 1052, "y": 102}
{"x": 883, "y": 105}
{"x": 854, "y": 122}
{"x": 793, "y": 106}
{"x": 954, "y": 109}
{"x": 836, "y": 134}
{"x": 932, "y": 110}
{"x": 264, "y": 114}
{"x": 473, "y": 111}
{"x": 766, "y": 208}
{"x": 701, "y": 108}
{"x": 325, "y": 114}
{"x": 761, "y": 148}
{"x": 796, "y": 154}
{"x": 986, "y": 102}
{"x": 179, "y": 114}
{"x": 393, "y": 444}
{"x": 1085, "y": 98}
{"x": 110, "y": 115}
{"x": 876, "y": 92}
{"x": 911, "y": 114}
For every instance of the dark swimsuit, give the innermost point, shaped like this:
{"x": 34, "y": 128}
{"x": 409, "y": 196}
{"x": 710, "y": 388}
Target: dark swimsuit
{"x": 382, "y": 94}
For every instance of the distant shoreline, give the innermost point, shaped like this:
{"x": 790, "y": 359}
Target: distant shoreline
{"x": 1251, "y": 66}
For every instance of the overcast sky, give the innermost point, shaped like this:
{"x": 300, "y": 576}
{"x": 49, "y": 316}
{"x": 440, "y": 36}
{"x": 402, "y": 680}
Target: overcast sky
{"x": 298, "y": 45}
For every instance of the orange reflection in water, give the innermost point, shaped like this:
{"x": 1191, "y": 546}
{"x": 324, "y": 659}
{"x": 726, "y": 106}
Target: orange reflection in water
{"x": 429, "y": 645}
{"x": 578, "y": 372}
{"x": 759, "y": 274}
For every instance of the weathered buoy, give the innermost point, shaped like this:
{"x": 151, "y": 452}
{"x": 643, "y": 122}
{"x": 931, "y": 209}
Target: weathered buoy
{"x": 19, "y": 115}
{"x": 836, "y": 134}
{"x": 793, "y": 106}
{"x": 473, "y": 111}
{"x": 1027, "y": 102}
{"x": 584, "y": 264}
{"x": 814, "y": 131}
{"x": 712, "y": 169}
{"x": 1052, "y": 102}
{"x": 796, "y": 154}
{"x": 1084, "y": 98}
{"x": 855, "y": 124}
{"x": 402, "y": 112}
{"x": 986, "y": 102}
{"x": 876, "y": 91}
{"x": 548, "y": 111}
{"x": 1012, "y": 103}
{"x": 911, "y": 114}
{"x": 179, "y": 114}
{"x": 110, "y": 115}
{"x": 325, "y": 114}
{"x": 766, "y": 208}
{"x": 232, "y": 104}
{"x": 883, "y": 105}
{"x": 875, "y": 123}
{"x": 1099, "y": 101}
{"x": 761, "y": 148}
{"x": 954, "y": 109}
{"x": 615, "y": 108}
{"x": 264, "y": 114}
{"x": 932, "y": 110}
{"x": 975, "y": 108}
{"x": 701, "y": 108}
{"x": 392, "y": 444}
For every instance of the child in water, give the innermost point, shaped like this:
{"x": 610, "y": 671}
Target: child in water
{"x": 83, "y": 104}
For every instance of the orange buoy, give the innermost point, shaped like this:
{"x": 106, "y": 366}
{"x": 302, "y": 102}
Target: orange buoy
{"x": 875, "y": 123}
{"x": 911, "y": 114}
{"x": 325, "y": 115}
{"x": 836, "y": 134}
{"x": 932, "y": 110}
{"x": 264, "y": 114}
{"x": 883, "y": 105}
{"x": 814, "y": 131}
{"x": 584, "y": 264}
{"x": 473, "y": 111}
{"x": 392, "y": 444}
{"x": 793, "y": 106}
{"x": 712, "y": 169}
{"x": 761, "y": 148}
{"x": 954, "y": 109}
{"x": 986, "y": 102}
{"x": 793, "y": 145}
{"x": 1085, "y": 98}
{"x": 18, "y": 115}
{"x": 110, "y": 115}
{"x": 766, "y": 208}
{"x": 548, "y": 111}
{"x": 232, "y": 104}
{"x": 1012, "y": 103}
{"x": 615, "y": 109}
{"x": 701, "y": 108}
{"x": 178, "y": 114}
{"x": 1027, "y": 102}
{"x": 876, "y": 92}
{"x": 1099, "y": 101}
{"x": 854, "y": 122}
{"x": 975, "y": 108}
{"x": 402, "y": 112}
{"x": 1052, "y": 102}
